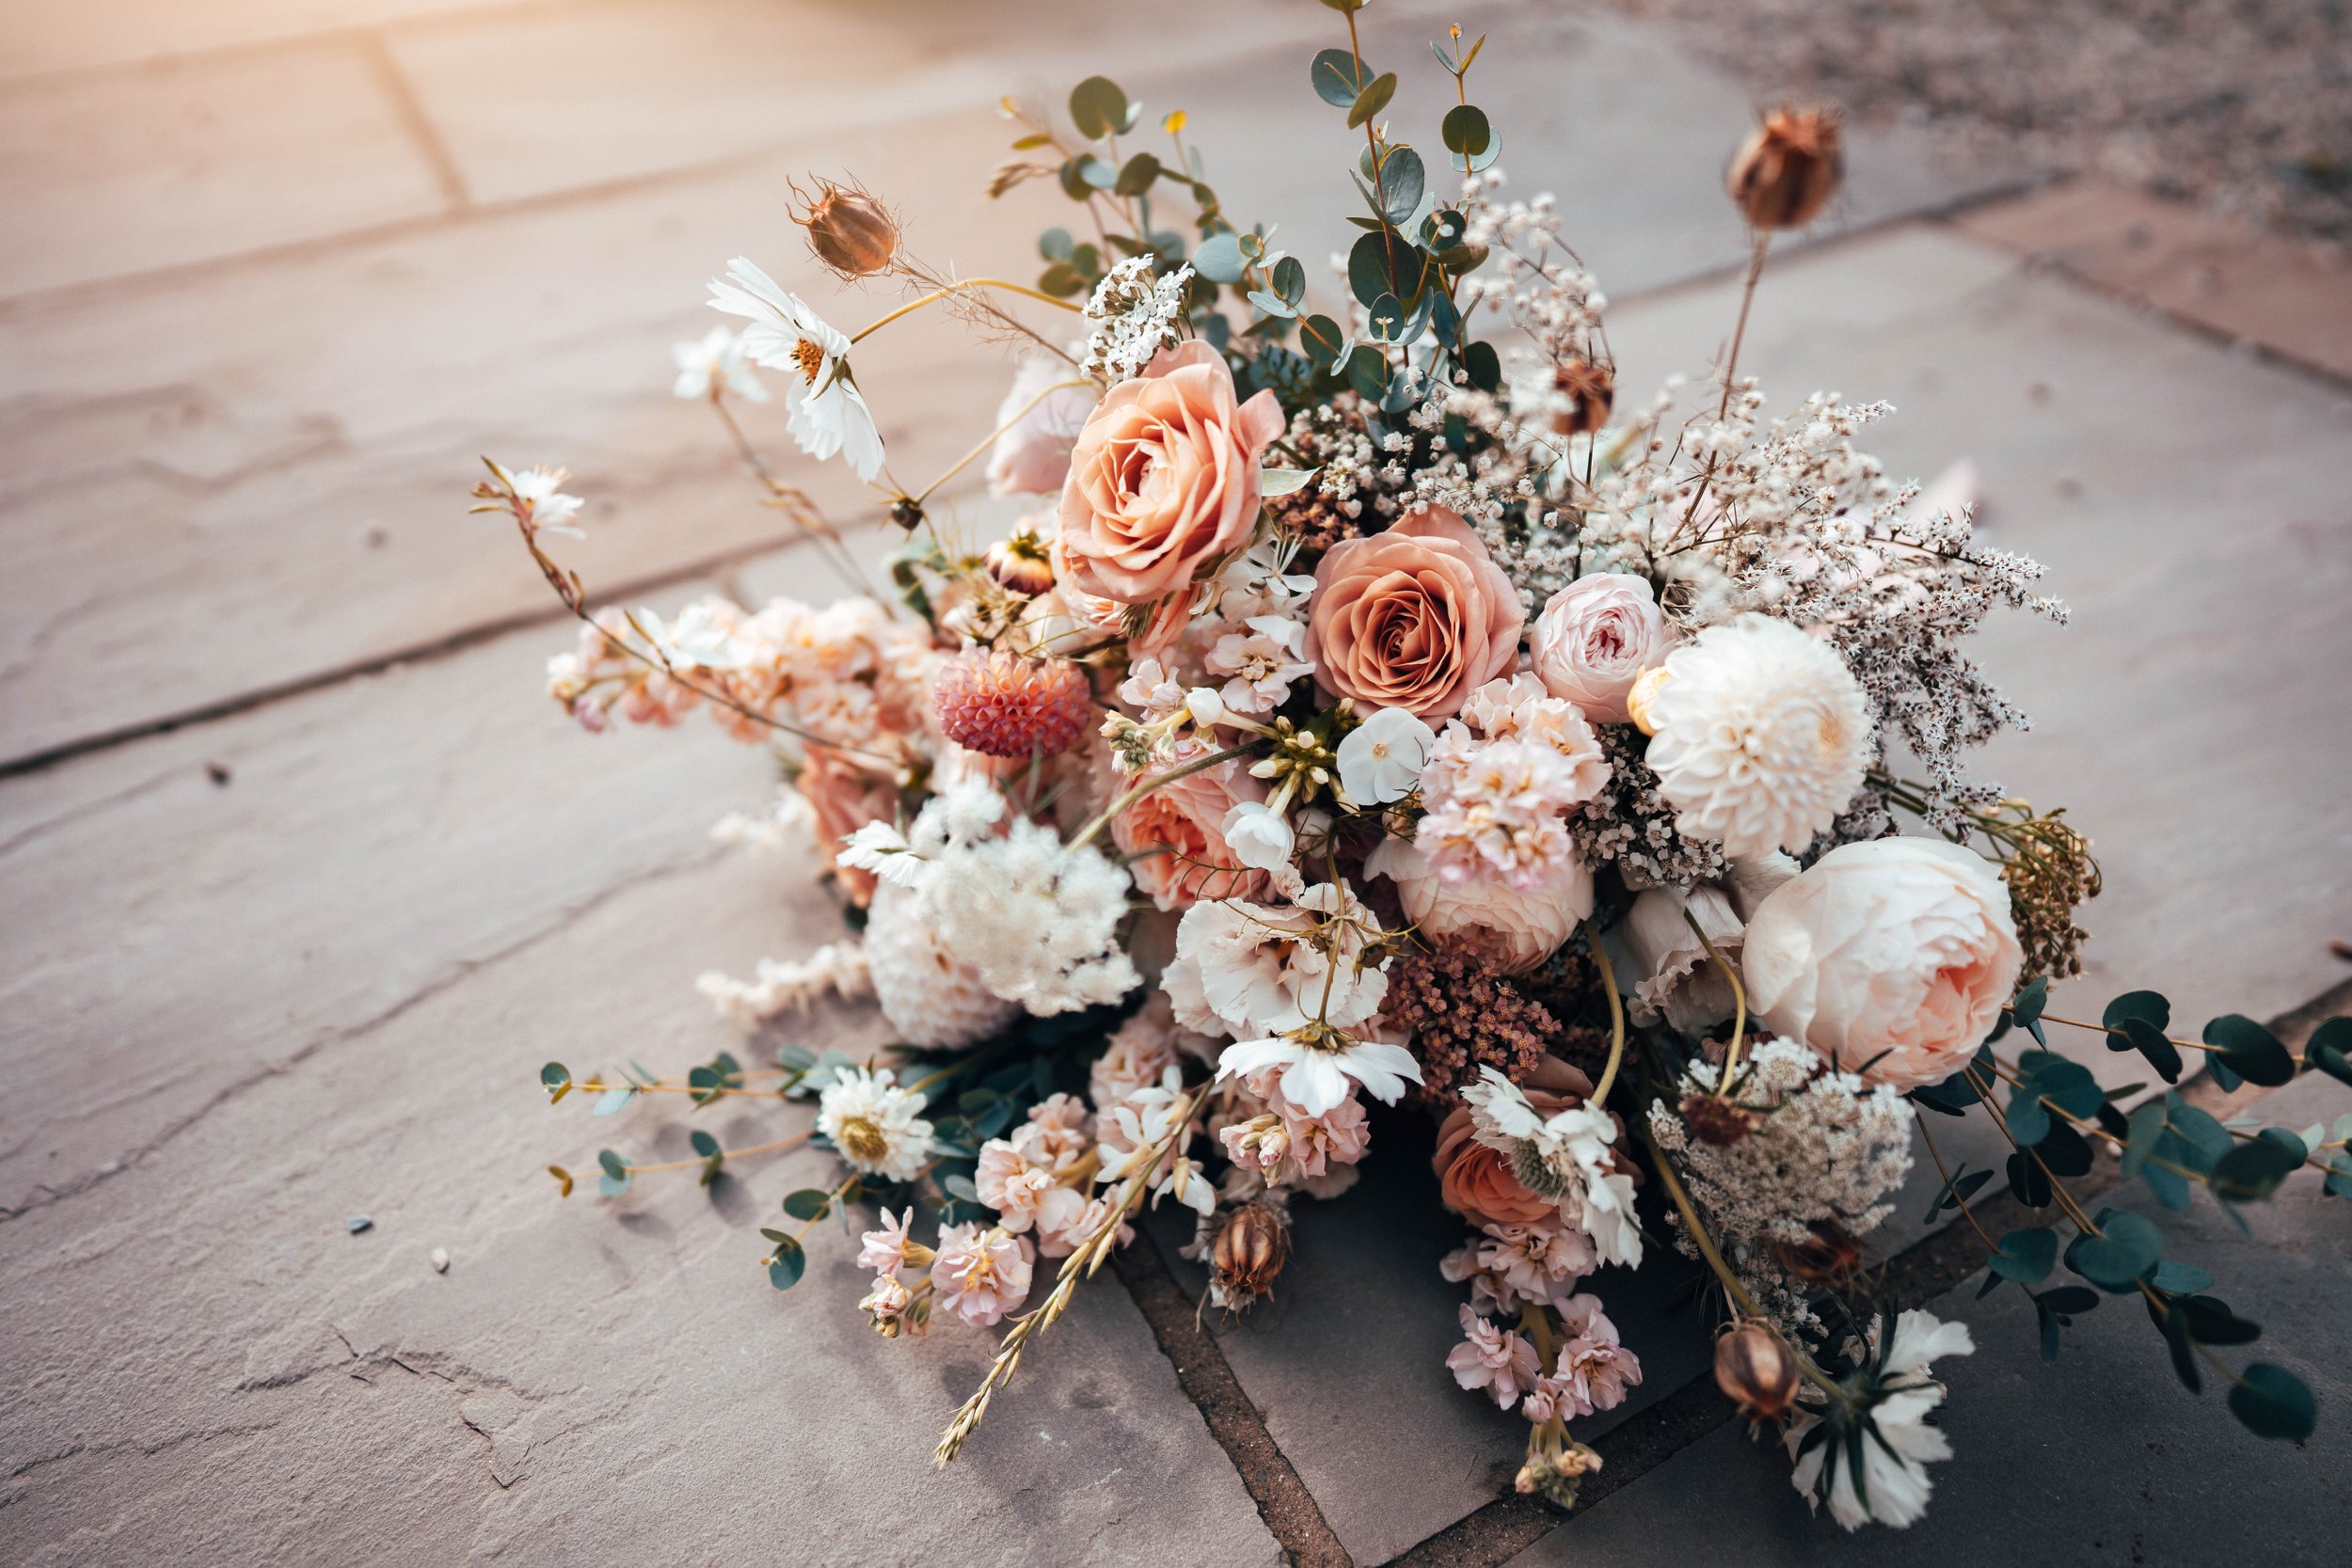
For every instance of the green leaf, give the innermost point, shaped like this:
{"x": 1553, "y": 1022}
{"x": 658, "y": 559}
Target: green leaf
{"x": 1956, "y": 1192}
{"x": 785, "y": 1268}
{"x": 2330, "y": 1049}
{"x": 2030, "y": 1121}
{"x": 1372, "y": 100}
{"x": 557, "y": 1080}
{"x": 2272, "y": 1401}
{"x": 2026, "y": 1010}
{"x": 1473, "y": 163}
{"x": 1320, "y": 340}
{"x": 809, "y": 1203}
{"x": 2211, "y": 1322}
{"x": 2251, "y": 1171}
{"x": 2204, "y": 1140}
{"x": 1218, "y": 260}
{"x": 2126, "y": 1248}
{"x": 613, "y": 1166}
{"x": 2025, "y": 1256}
{"x": 1272, "y": 305}
{"x": 611, "y": 1186}
{"x": 2068, "y": 1300}
{"x": 2065, "y": 1151}
{"x": 704, "y": 1144}
{"x": 2027, "y": 1184}
{"x": 1282, "y": 481}
{"x": 563, "y": 1180}
{"x": 2147, "y": 1125}
{"x": 1099, "y": 108}
{"x": 960, "y": 1186}
{"x": 610, "y": 1100}
{"x": 2173, "y": 1324}
{"x": 2066, "y": 1082}
{"x": 1335, "y": 78}
{"x": 2147, "y": 1005}
{"x": 1367, "y": 273}
{"x": 2137, "y": 1033}
{"x": 1289, "y": 280}
{"x": 1061, "y": 280}
{"x": 1465, "y": 129}
{"x": 2250, "y": 1050}
{"x": 1484, "y": 366}
{"x": 1137, "y": 174}
{"x": 1386, "y": 317}
{"x": 1402, "y": 181}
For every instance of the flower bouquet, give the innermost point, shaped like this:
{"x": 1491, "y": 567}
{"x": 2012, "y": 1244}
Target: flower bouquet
{"x": 1366, "y": 707}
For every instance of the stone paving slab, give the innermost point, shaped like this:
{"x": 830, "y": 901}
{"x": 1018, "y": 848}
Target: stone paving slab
{"x": 41, "y": 37}
{"x": 185, "y": 161}
{"x": 239, "y": 1013}
{"x": 2099, "y": 1458}
{"x": 1956, "y": 334}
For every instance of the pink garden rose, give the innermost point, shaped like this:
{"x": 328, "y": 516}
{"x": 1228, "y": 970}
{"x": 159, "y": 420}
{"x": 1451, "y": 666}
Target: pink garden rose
{"x": 1417, "y": 618}
{"x": 1513, "y": 929}
{"x": 1593, "y": 639}
{"x": 1184, "y": 819}
{"x": 1163, "y": 478}
{"x": 1899, "y": 949}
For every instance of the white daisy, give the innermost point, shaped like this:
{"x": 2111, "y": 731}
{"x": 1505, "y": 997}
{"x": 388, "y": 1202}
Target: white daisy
{"x": 829, "y": 415}
{"x": 872, "y": 1123}
{"x": 1565, "y": 1158}
{"x": 713, "y": 364}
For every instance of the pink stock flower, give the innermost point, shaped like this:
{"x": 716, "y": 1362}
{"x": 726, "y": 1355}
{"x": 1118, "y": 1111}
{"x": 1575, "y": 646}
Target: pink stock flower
{"x": 980, "y": 1275}
{"x": 1501, "y": 1363}
{"x": 884, "y": 1251}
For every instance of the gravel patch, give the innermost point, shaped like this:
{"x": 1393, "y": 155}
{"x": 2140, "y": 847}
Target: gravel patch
{"x": 2244, "y": 106}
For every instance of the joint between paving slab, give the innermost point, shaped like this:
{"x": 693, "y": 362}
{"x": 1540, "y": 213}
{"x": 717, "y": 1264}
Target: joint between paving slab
{"x": 1928, "y": 1268}
{"x": 410, "y": 109}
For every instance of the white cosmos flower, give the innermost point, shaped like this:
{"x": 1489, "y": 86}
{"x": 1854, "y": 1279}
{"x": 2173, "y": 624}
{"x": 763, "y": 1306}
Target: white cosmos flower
{"x": 829, "y": 414}
{"x": 1317, "y": 1061}
{"x": 1381, "y": 759}
{"x": 872, "y": 1124}
{"x": 1564, "y": 1157}
{"x": 1891, "y": 1403}
{"x": 880, "y": 849}
{"x": 713, "y": 364}
{"x": 551, "y": 511}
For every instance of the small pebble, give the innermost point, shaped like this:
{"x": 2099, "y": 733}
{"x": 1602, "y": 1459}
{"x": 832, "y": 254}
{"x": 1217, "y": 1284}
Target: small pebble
{"x": 359, "y": 1223}
{"x": 218, "y": 772}
{"x": 441, "y": 1259}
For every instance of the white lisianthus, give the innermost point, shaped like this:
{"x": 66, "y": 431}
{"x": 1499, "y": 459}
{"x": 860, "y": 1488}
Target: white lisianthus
{"x": 1381, "y": 759}
{"x": 1761, "y": 735}
{"x": 829, "y": 414}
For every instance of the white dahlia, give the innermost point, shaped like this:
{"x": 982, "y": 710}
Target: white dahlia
{"x": 931, "y": 996}
{"x": 1760, "y": 736}
{"x": 873, "y": 1124}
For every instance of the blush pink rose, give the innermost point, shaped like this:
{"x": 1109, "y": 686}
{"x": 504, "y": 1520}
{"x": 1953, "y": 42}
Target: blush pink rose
{"x": 1418, "y": 617}
{"x": 1593, "y": 639}
{"x": 1182, "y": 820}
{"x": 1513, "y": 929}
{"x": 1897, "y": 952}
{"x": 1163, "y": 478}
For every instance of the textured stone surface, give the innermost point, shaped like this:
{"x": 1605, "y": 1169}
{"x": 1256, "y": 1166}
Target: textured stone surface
{"x": 239, "y": 1013}
{"x": 2100, "y": 1458}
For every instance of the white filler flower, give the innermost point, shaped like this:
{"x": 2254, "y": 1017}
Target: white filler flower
{"x": 713, "y": 364}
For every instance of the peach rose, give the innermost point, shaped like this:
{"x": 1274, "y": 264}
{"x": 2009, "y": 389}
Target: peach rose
{"x": 845, "y": 798}
{"x": 1182, "y": 820}
{"x": 1418, "y": 617}
{"x": 1897, "y": 952}
{"x": 1475, "y": 1182}
{"x": 1593, "y": 639}
{"x": 1163, "y": 478}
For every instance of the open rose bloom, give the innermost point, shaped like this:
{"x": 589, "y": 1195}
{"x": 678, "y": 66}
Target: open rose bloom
{"x": 1351, "y": 735}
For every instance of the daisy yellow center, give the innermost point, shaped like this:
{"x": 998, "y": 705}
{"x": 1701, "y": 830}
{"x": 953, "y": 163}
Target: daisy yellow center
{"x": 810, "y": 359}
{"x": 861, "y": 1138}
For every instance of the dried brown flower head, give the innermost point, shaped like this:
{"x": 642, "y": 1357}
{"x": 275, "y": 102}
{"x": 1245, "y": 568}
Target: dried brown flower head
{"x": 2049, "y": 870}
{"x": 1787, "y": 168}
{"x": 1757, "y": 1370}
{"x": 1461, "y": 1013}
{"x": 1716, "y": 1122}
{"x": 1587, "y": 391}
{"x": 1829, "y": 1257}
{"x": 1022, "y": 562}
{"x": 1249, "y": 1252}
{"x": 851, "y": 231}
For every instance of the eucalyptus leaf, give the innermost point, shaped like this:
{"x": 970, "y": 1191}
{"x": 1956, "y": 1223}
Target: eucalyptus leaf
{"x": 2147, "y": 1125}
{"x": 1465, "y": 129}
{"x": 1402, "y": 181}
{"x": 809, "y": 1203}
{"x": 2180, "y": 1279}
{"x": 2250, "y": 1050}
{"x": 1289, "y": 280}
{"x": 557, "y": 1080}
{"x": 2124, "y": 1247}
{"x": 2272, "y": 1401}
{"x": 789, "y": 1263}
{"x": 1372, "y": 100}
{"x": 1099, "y": 108}
{"x": 610, "y": 1100}
{"x": 2330, "y": 1049}
{"x": 1218, "y": 260}
{"x": 1334, "y": 75}
{"x": 2025, "y": 1256}
{"x": 1281, "y": 482}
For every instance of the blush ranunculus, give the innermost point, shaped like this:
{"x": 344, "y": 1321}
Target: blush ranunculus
{"x": 1163, "y": 478}
{"x": 1183, "y": 821}
{"x": 1897, "y": 952}
{"x": 1474, "y": 1180}
{"x": 1593, "y": 639}
{"x": 1417, "y": 618}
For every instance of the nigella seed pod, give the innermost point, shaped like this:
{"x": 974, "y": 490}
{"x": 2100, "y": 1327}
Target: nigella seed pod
{"x": 1250, "y": 1251}
{"x": 1757, "y": 1370}
{"x": 1587, "y": 393}
{"x": 1021, "y": 564}
{"x": 851, "y": 231}
{"x": 1788, "y": 168}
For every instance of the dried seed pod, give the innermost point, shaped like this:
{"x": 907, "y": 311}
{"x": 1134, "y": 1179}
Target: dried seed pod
{"x": 1718, "y": 1123}
{"x": 1587, "y": 393}
{"x": 1757, "y": 1370}
{"x": 1250, "y": 1251}
{"x": 1829, "y": 1257}
{"x": 851, "y": 231}
{"x": 1787, "y": 168}
{"x": 1022, "y": 562}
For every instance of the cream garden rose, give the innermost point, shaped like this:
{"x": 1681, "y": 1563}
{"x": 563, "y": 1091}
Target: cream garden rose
{"x": 1164, "y": 477}
{"x": 1891, "y": 958}
{"x": 1593, "y": 639}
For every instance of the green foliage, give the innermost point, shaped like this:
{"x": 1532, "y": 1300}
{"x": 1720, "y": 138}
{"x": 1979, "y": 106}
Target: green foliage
{"x": 809, "y": 1203}
{"x": 2114, "y": 1257}
{"x": 2248, "y": 1052}
{"x": 1099, "y": 108}
{"x": 2048, "y": 1082}
{"x": 2025, "y": 1256}
{"x": 1338, "y": 78}
{"x": 615, "y": 1180}
{"x": 1372, "y": 100}
{"x": 1956, "y": 1192}
{"x": 787, "y": 1262}
{"x": 712, "y": 1155}
{"x": 557, "y": 1080}
{"x": 2251, "y": 1171}
{"x": 2135, "y": 1021}
{"x": 1465, "y": 129}
{"x": 2058, "y": 1308}
{"x": 2272, "y": 1401}
{"x": 2330, "y": 1049}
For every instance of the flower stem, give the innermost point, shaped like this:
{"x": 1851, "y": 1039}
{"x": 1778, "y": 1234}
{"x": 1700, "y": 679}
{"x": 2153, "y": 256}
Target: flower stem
{"x": 1738, "y": 1003}
{"x": 995, "y": 435}
{"x": 1616, "y": 1013}
{"x": 956, "y": 287}
{"x": 1145, "y": 786}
